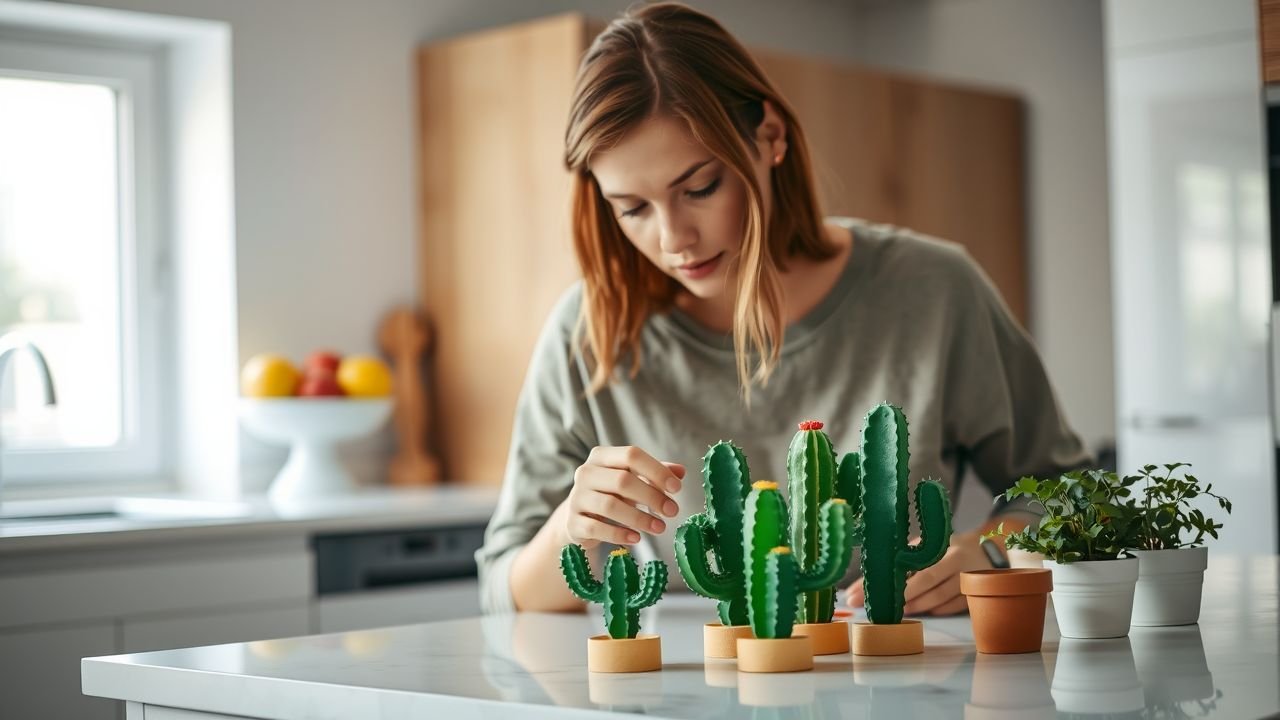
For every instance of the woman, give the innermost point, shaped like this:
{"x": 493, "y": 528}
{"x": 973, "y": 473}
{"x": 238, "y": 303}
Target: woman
{"x": 716, "y": 303}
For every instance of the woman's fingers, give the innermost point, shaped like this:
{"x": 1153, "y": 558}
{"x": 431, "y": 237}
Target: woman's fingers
{"x": 586, "y": 527}
{"x": 639, "y": 462}
{"x": 619, "y": 510}
{"x": 955, "y": 606}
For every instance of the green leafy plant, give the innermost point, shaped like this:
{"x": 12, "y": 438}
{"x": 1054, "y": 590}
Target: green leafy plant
{"x": 622, "y": 592}
{"x": 1165, "y": 511}
{"x": 1087, "y": 516}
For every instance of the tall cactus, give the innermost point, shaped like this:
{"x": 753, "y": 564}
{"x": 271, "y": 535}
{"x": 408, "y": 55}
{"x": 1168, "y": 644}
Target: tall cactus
{"x": 621, "y": 591}
{"x": 812, "y": 479}
{"x": 886, "y": 556}
{"x": 773, "y": 577}
{"x": 726, "y": 480}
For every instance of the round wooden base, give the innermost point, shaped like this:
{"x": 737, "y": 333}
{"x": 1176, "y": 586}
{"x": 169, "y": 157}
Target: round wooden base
{"x": 721, "y": 641}
{"x": 626, "y": 655}
{"x": 775, "y": 655}
{"x": 904, "y": 638}
{"x": 830, "y": 638}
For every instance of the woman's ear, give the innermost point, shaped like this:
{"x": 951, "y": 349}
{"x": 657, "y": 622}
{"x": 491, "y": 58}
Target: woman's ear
{"x": 771, "y": 135}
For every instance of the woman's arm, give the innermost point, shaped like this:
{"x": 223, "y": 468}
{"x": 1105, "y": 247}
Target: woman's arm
{"x": 536, "y": 583}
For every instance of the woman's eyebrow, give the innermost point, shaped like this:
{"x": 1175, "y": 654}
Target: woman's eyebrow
{"x": 683, "y": 176}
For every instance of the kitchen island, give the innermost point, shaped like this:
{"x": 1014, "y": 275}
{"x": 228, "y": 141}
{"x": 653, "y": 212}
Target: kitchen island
{"x": 534, "y": 665}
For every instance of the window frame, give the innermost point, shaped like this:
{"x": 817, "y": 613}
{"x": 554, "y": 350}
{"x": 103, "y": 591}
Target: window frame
{"x": 135, "y": 75}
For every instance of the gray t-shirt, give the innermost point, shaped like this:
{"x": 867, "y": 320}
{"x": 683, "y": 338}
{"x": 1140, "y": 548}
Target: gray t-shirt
{"x": 912, "y": 321}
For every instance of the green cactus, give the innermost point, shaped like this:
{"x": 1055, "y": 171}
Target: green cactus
{"x": 813, "y": 478}
{"x": 773, "y": 577}
{"x": 621, "y": 592}
{"x": 726, "y": 480}
{"x": 886, "y": 556}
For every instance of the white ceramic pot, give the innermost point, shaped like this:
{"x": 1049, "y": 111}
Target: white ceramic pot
{"x": 1094, "y": 599}
{"x": 1096, "y": 677}
{"x": 1169, "y": 586}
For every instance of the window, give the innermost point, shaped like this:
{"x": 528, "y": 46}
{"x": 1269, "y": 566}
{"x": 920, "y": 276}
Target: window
{"x": 80, "y": 261}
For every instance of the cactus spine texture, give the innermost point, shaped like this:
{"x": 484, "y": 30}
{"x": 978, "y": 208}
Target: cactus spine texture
{"x": 886, "y": 556}
{"x": 718, "y": 531}
{"x": 622, "y": 592}
{"x": 773, "y": 576}
{"x": 813, "y": 478}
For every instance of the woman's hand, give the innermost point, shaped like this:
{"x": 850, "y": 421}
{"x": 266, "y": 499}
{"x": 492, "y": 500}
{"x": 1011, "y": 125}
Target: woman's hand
{"x": 619, "y": 493}
{"x": 936, "y": 589}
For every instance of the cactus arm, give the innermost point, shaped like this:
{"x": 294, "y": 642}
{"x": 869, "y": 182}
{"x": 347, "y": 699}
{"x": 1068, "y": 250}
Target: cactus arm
{"x": 933, "y": 514}
{"x": 621, "y": 580}
{"x": 849, "y": 482}
{"x": 691, "y": 546}
{"x": 651, "y": 587}
{"x": 833, "y": 560}
{"x": 577, "y": 573}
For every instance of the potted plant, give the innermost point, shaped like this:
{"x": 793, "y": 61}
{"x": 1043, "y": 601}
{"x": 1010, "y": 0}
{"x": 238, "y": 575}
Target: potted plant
{"x": 1171, "y": 558}
{"x": 1086, "y": 528}
{"x": 774, "y": 579}
{"x": 881, "y": 491}
{"x": 716, "y": 533}
{"x": 813, "y": 478}
{"x": 624, "y": 594}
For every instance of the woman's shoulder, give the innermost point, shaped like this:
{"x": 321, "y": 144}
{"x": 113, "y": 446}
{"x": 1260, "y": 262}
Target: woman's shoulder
{"x": 908, "y": 260}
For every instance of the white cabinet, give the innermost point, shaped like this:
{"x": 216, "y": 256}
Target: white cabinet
{"x": 443, "y": 600}
{"x": 40, "y": 672}
{"x": 215, "y": 628}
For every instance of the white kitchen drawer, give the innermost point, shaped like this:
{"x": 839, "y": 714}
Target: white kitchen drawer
{"x": 427, "y": 602}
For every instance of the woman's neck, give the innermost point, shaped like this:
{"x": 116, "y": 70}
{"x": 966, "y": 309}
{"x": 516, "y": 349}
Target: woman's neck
{"x": 804, "y": 285}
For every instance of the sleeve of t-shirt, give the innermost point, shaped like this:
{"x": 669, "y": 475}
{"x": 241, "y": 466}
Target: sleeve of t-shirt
{"x": 551, "y": 436}
{"x": 1001, "y": 410}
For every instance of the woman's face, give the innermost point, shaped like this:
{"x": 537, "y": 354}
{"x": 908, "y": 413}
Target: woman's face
{"x": 679, "y": 205}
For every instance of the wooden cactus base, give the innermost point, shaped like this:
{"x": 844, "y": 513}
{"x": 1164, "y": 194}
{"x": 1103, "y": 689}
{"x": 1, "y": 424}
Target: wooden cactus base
{"x": 830, "y": 638}
{"x": 904, "y": 638}
{"x": 767, "y": 655}
{"x": 721, "y": 641}
{"x": 642, "y": 653}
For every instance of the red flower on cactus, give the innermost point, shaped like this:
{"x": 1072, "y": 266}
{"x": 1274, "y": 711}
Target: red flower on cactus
{"x": 811, "y": 425}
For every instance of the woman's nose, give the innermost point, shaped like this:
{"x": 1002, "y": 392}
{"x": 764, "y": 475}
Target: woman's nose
{"x": 677, "y": 235}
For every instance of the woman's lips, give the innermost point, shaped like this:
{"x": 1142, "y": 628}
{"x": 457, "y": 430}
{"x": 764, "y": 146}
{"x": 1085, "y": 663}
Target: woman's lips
{"x": 702, "y": 269}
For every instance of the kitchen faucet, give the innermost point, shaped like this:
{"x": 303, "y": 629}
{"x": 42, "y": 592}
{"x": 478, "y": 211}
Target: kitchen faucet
{"x": 10, "y": 343}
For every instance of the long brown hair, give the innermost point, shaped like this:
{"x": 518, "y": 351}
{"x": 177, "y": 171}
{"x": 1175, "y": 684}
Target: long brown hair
{"x": 667, "y": 58}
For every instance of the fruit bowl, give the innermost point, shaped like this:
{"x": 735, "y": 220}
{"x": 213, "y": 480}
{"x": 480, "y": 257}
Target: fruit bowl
{"x": 312, "y": 427}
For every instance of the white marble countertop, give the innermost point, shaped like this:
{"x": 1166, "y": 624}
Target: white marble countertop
{"x": 152, "y": 520}
{"x": 534, "y": 665}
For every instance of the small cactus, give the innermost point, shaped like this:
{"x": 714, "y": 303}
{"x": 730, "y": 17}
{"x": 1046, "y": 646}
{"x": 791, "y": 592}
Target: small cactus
{"x": 773, "y": 576}
{"x": 621, "y": 592}
{"x": 813, "y": 477}
{"x": 886, "y": 556}
{"x": 717, "y": 531}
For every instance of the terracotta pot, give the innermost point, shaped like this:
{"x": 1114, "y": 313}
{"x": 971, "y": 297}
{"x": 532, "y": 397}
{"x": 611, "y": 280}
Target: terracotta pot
{"x": 624, "y": 655}
{"x": 904, "y": 638}
{"x": 721, "y": 641}
{"x": 831, "y": 638}
{"x": 775, "y": 654}
{"x": 1007, "y": 608}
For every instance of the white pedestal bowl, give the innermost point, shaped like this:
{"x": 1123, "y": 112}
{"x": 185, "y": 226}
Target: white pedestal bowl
{"x": 312, "y": 428}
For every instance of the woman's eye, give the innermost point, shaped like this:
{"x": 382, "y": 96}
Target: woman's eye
{"x": 706, "y": 191}
{"x": 635, "y": 210}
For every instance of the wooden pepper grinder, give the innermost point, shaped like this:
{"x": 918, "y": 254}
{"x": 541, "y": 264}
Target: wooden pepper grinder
{"x": 405, "y": 336}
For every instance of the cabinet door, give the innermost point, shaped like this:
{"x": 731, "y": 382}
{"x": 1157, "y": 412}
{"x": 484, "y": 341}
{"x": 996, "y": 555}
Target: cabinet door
{"x": 399, "y": 606}
{"x": 40, "y": 672}
{"x": 215, "y": 628}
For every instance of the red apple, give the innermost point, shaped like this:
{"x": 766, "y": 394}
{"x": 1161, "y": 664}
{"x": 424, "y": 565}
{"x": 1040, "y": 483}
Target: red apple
{"x": 326, "y": 359}
{"x": 320, "y": 382}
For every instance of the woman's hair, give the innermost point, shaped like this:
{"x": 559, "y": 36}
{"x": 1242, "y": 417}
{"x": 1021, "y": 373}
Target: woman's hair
{"x": 668, "y": 59}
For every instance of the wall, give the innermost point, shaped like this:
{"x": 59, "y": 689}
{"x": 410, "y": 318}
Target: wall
{"x": 1051, "y": 53}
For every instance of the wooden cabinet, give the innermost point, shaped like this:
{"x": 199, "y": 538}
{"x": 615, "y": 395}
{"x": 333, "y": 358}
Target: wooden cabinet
{"x": 495, "y": 249}
{"x": 1269, "y": 39}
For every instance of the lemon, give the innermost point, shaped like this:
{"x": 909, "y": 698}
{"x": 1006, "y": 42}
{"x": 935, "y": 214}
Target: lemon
{"x": 364, "y": 376}
{"x": 269, "y": 375}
